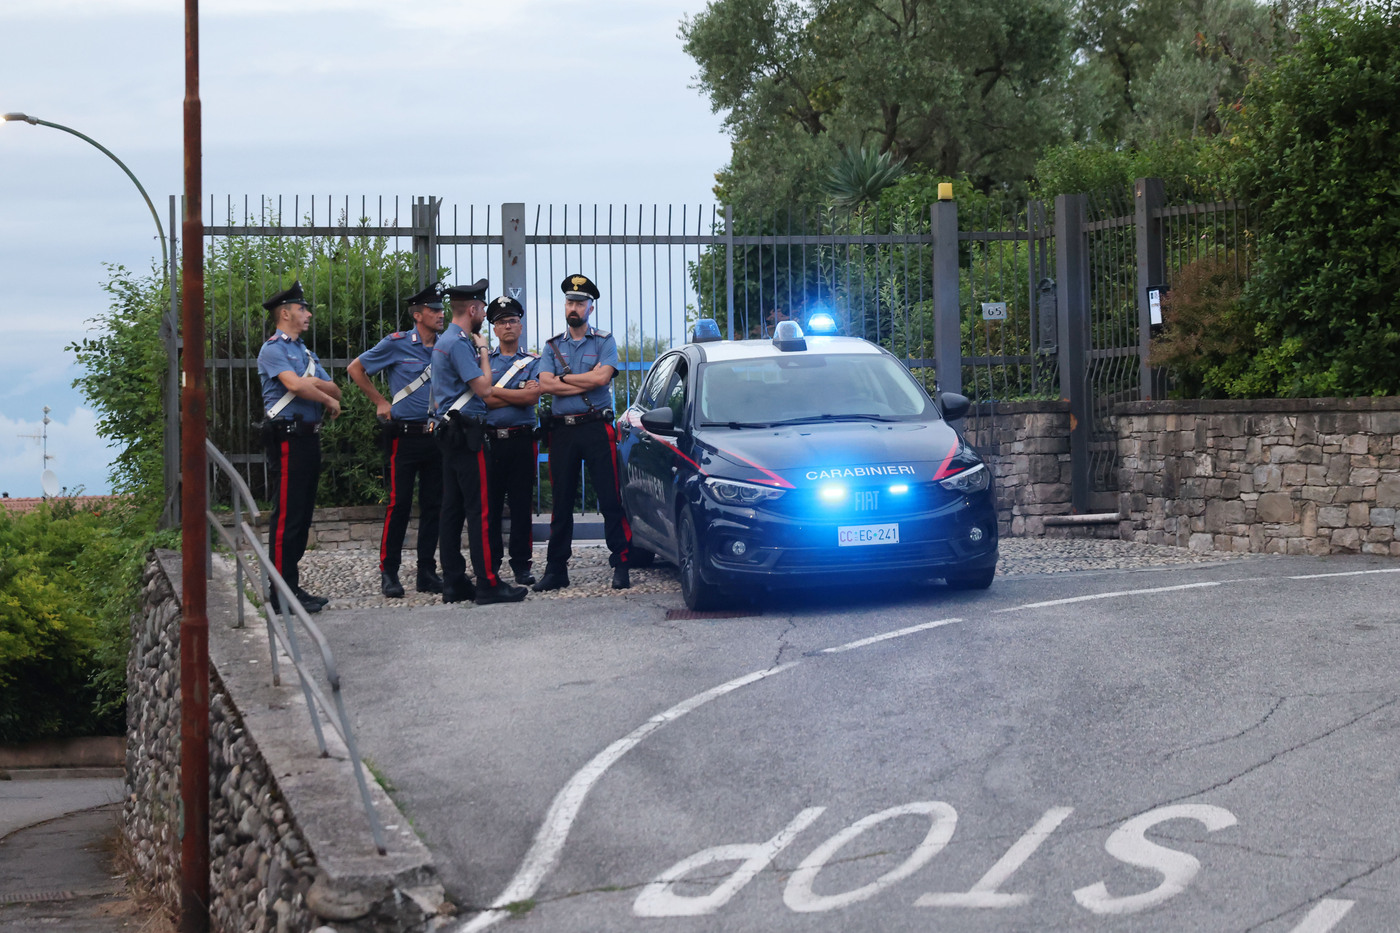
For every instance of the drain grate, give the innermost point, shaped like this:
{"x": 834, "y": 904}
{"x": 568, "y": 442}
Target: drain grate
{"x": 34, "y": 897}
{"x": 676, "y": 614}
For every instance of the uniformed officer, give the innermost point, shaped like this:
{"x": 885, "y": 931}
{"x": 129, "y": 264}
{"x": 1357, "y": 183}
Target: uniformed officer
{"x": 461, "y": 385}
{"x": 296, "y": 390}
{"x": 406, "y": 432}
{"x": 577, "y": 368}
{"x": 510, "y": 425}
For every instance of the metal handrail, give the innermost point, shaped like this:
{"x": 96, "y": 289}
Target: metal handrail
{"x": 282, "y": 631}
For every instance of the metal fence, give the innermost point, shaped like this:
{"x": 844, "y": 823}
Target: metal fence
{"x": 1000, "y": 302}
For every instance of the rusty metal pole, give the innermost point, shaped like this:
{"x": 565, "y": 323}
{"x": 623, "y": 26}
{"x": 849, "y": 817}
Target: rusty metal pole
{"x": 194, "y": 621}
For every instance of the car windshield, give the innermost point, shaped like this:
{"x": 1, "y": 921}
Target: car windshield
{"x": 795, "y": 388}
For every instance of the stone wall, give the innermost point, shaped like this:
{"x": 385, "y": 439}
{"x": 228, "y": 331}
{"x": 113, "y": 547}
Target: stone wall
{"x": 1027, "y": 445}
{"x": 348, "y": 527}
{"x": 290, "y": 847}
{"x": 1290, "y": 476}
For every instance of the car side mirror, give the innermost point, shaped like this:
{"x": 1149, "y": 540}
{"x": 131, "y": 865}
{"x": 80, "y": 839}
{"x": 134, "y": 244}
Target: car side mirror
{"x": 954, "y": 405}
{"x": 660, "y": 421}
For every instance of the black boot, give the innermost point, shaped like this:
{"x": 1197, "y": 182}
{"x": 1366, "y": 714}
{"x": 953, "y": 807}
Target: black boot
{"x": 429, "y": 581}
{"x": 502, "y": 592}
{"x": 621, "y": 580}
{"x": 553, "y": 579}
{"x": 307, "y": 600}
{"x": 389, "y": 584}
{"x": 458, "y": 591}
{"x": 524, "y": 577}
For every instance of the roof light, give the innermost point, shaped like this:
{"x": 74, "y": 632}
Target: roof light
{"x": 788, "y": 336}
{"x": 706, "y": 329}
{"x": 821, "y": 323}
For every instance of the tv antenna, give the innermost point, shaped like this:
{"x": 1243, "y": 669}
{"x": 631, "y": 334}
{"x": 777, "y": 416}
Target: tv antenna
{"x": 42, "y": 436}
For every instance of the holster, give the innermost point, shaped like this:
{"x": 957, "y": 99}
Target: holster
{"x": 542, "y": 432}
{"x": 459, "y": 433}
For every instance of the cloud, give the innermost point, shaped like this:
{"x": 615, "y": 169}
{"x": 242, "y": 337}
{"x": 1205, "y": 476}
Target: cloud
{"x": 79, "y": 456}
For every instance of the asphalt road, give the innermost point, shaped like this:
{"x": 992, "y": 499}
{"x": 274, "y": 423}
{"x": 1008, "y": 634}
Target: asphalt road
{"x": 1199, "y": 748}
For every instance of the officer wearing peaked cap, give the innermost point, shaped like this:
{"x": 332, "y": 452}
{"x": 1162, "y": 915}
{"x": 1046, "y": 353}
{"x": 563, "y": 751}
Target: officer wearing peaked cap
{"x": 577, "y": 368}
{"x": 410, "y": 455}
{"x": 510, "y": 425}
{"x": 461, "y": 387}
{"x": 296, "y": 391}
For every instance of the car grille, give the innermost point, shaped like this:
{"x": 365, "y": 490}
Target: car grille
{"x": 840, "y": 558}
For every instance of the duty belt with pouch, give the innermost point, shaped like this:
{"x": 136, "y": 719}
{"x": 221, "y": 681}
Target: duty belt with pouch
{"x": 294, "y": 427}
{"x": 458, "y": 431}
{"x": 517, "y": 430}
{"x": 392, "y": 428}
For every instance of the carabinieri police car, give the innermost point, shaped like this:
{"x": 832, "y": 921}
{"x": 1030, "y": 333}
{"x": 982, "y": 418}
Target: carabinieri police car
{"x": 804, "y": 459}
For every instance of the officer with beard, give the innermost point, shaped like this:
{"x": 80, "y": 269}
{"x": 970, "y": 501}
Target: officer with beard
{"x": 461, "y": 384}
{"x": 409, "y": 452}
{"x": 577, "y": 368}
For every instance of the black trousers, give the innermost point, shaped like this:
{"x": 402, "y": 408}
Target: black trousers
{"x": 593, "y": 444}
{"x": 410, "y": 457}
{"x": 513, "y": 465}
{"x": 294, "y": 467}
{"x": 466, "y": 486}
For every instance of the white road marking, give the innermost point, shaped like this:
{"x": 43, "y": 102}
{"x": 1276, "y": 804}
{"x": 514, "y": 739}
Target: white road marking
{"x": 1345, "y": 573}
{"x": 1327, "y": 914}
{"x": 899, "y": 633}
{"x": 798, "y": 894}
{"x": 549, "y": 841}
{"x": 1084, "y": 599}
{"x": 659, "y": 900}
{"x": 1128, "y": 843}
{"x": 984, "y": 893}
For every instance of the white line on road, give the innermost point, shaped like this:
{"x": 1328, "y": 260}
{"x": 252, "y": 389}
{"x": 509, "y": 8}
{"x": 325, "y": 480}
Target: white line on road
{"x": 898, "y": 633}
{"x": 549, "y": 841}
{"x": 1327, "y": 914}
{"x": 1082, "y": 599}
{"x": 1345, "y": 573}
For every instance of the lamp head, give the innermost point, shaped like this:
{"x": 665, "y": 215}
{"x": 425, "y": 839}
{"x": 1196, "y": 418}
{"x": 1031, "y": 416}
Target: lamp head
{"x": 19, "y": 116}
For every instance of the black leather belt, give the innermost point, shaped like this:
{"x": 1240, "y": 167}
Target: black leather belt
{"x": 281, "y": 427}
{"x": 409, "y": 427}
{"x": 570, "y": 420}
{"x": 518, "y": 430}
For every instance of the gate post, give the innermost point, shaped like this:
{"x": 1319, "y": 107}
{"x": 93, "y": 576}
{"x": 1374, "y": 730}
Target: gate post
{"x": 947, "y": 317}
{"x": 1149, "y": 195}
{"x": 1072, "y": 299}
{"x": 425, "y": 238}
{"x": 513, "y": 259}
{"x": 729, "y": 269}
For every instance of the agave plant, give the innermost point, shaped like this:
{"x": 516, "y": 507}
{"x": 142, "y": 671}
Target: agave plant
{"x": 860, "y": 175}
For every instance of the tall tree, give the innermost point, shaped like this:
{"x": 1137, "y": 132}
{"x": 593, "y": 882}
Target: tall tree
{"x": 953, "y": 86}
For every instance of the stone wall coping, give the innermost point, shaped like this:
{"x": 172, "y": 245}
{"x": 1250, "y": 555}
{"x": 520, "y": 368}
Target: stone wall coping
{"x": 320, "y": 793}
{"x": 1257, "y": 406}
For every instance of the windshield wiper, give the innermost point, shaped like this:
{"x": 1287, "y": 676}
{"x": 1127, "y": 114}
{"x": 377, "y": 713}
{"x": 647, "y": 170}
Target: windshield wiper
{"x": 736, "y": 425}
{"x": 842, "y": 417}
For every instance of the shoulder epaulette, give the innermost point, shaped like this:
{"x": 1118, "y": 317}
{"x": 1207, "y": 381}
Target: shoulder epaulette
{"x": 559, "y": 336}
{"x": 601, "y": 333}
{"x": 397, "y": 335}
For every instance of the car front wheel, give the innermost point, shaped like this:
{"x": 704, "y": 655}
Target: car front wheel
{"x": 698, "y": 594}
{"x": 971, "y": 579}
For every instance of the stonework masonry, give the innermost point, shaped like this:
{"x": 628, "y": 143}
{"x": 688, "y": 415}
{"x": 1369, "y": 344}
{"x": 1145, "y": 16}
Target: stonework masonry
{"x": 290, "y": 846}
{"x": 1027, "y": 446}
{"x": 1277, "y": 476}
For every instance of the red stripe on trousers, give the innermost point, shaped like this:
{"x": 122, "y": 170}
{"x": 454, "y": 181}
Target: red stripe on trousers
{"x": 279, "y": 559}
{"x": 481, "y": 472}
{"x": 393, "y": 498}
{"x": 617, "y": 483}
{"x": 535, "y": 465}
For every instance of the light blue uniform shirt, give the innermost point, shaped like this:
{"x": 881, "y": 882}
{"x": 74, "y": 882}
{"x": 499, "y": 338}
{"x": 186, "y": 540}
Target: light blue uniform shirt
{"x": 597, "y": 346}
{"x": 405, "y": 357}
{"x": 281, "y": 354}
{"x": 512, "y": 415}
{"x": 454, "y": 365}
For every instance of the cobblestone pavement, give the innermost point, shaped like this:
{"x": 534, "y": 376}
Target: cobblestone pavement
{"x": 350, "y": 578}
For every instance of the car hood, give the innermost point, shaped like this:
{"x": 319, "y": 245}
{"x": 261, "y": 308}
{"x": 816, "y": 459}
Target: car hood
{"x": 799, "y": 456}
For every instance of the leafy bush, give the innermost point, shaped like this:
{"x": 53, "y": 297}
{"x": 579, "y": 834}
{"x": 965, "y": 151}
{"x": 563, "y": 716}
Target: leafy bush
{"x": 1317, "y": 160}
{"x": 68, "y": 584}
{"x": 1207, "y": 340}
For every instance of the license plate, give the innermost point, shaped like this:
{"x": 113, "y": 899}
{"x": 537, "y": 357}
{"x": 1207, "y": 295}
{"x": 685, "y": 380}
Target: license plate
{"x": 861, "y": 535}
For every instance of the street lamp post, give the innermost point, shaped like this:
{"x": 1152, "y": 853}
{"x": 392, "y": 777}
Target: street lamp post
{"x": 168, "y": 326}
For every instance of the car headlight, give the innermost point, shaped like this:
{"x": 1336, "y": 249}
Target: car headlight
{"x": 733, "y": 492}
{"x": 973, "y": 479}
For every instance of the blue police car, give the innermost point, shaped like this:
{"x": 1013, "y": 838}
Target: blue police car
{"x": 800, "y": 460}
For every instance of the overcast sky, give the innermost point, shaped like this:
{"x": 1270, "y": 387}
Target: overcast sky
{"x": 477, "y": 101}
